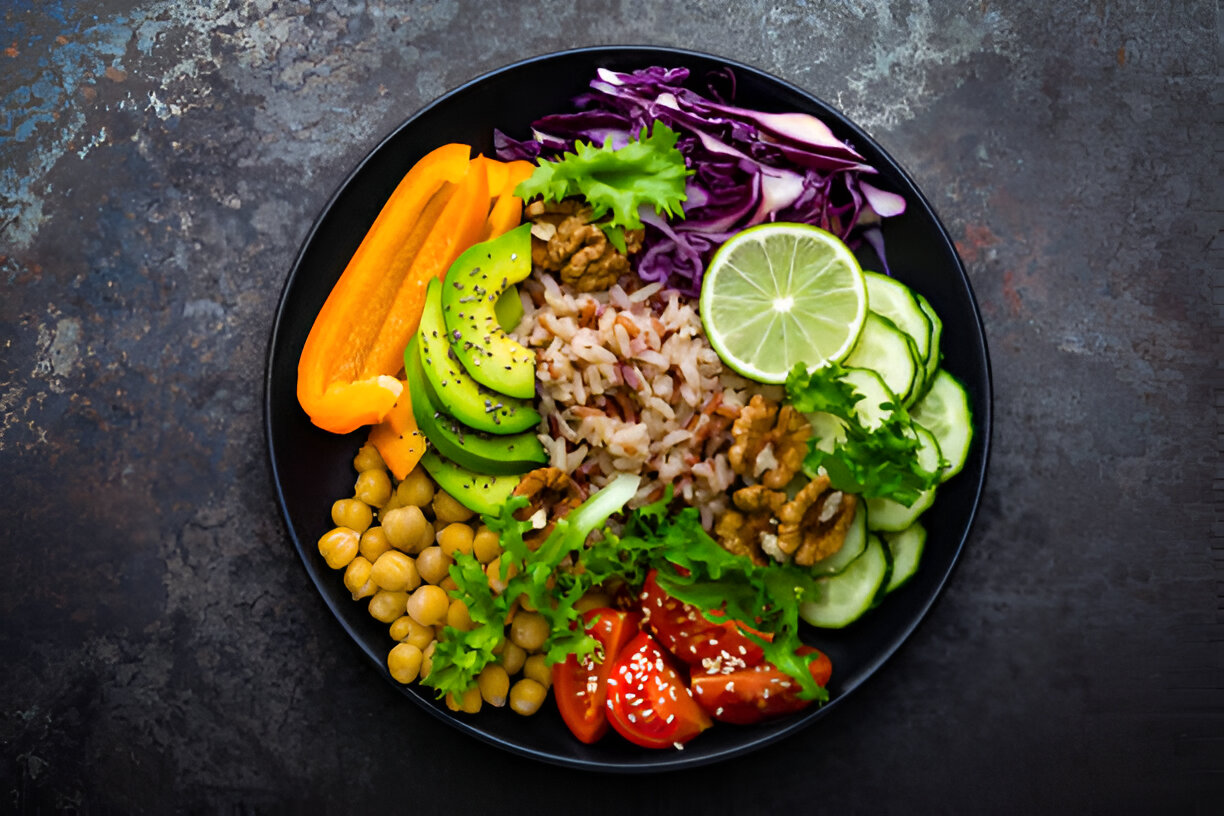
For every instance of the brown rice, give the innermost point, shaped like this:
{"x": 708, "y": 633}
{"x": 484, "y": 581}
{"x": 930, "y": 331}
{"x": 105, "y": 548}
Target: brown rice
{"x": 628, "y": 383}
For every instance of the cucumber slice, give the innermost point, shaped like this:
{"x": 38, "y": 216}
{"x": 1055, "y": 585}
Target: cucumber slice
{"x": 892, "y": 299}
{"x": 827, "y": 430}
{"x": 944, "y": 411}
{"x": 886, "y": 514}
{"x": 852, "y": 547}
{"x": 906, "y": 549}
{"x": 934, "y": 355}
{"x": 850, "y": 593}
{"x": 889, "y": 352}
{"x": 876, "y": 394}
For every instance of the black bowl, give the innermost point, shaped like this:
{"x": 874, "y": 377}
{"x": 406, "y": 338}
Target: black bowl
{"x": 312, "y": 468}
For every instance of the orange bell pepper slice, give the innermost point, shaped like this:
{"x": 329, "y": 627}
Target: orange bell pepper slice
{"x": 458, "y": 227}
{"x": 507, "y": 209}
{"x": 340, "y": 386}
{"x": 397, "y": 439}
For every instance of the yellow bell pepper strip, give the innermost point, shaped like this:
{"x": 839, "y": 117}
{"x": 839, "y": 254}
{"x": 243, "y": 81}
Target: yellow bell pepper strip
{"x": 335, "y": 387}
{"x": 507, "y": 209}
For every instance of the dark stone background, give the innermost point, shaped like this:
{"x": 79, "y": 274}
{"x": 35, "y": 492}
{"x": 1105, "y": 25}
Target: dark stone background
{"x": 162, "y": 649}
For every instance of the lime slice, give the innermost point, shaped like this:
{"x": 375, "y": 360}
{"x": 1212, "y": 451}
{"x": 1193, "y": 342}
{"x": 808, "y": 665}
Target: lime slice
{"x": 779, "y": 294}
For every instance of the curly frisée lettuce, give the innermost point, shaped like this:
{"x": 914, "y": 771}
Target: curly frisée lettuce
{"x": 535, "y": 575}
{"x": 692, "y": 567}
{"x": 695, "y": 569}
{"x": 647, "y": 171}
{"x": 875, "y": 462}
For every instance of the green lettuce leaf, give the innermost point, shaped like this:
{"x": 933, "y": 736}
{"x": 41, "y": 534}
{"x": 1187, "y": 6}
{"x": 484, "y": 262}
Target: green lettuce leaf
{"x": 648, "y": 171}
{"x": 879, "y": 462}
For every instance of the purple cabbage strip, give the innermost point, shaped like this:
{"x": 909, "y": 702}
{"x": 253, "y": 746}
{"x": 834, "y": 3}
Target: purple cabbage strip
{"x": 750, "y": 167}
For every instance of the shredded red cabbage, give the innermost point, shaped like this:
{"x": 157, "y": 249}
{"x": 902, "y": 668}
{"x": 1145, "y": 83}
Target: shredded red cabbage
{"x": 750, "y": 167}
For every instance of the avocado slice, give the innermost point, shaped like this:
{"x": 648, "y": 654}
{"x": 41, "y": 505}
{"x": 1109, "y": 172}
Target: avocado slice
{"x": 509, "y": 308}
{"x": 463, "y": 398}
{"x": 478, "y": 492}
{"x": 476, "y": 451}
{"x": 470, "y": 291}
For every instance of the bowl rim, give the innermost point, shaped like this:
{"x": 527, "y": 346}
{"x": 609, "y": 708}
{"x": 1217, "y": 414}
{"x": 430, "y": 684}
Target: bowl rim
{"x": 648, "y": 761}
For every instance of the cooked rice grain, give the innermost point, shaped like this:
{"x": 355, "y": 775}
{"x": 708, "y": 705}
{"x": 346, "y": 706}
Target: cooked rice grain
{"x": 629, "y": 384}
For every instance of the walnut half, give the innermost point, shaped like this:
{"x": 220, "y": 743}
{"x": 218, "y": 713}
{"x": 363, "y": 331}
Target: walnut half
{"x": 813, "y": 525}
{"x": 743, "y": 530}
{"x": 563, "y": 240}
{"x": 770, "y": 442}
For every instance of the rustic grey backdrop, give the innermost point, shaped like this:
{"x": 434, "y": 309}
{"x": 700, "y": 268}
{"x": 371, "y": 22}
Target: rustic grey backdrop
{"x": 160, "y": 164}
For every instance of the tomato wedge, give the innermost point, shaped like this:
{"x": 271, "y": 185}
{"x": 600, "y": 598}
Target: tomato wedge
{"x": 648, "y": 701}
{"x": 690, "y": 636}
{"x": 581, "y": 689}
{"x": 756, "y": 693}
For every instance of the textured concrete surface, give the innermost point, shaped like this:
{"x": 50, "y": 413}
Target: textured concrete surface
{"x": 160, "y": 163}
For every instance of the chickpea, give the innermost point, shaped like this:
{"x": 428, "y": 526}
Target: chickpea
{"x": 471, "y": 700}
{"x": 406, "y": 630}
{"x": 368, "y": 458}
{"x": 392, "y": 503}
{"x": 468, "y": 702}
{"x": 352, "y": 513}
{"x": 404, "y": 662}
{"x": 593, "y": 600}
{"x": 513, "y": 657}
{"x": 493, "y": 571}
{"x": 458, "y": 616}
{"x": 374, "y": 543}
{"x": 427, "y": 659}
{"x": 526, "y": 696}
{"x": 367, "y": 590}
{"x": 356, "y": 574}
{"x": 433, "y": 564}
{"x": 494, "y": 684}
{"x": 448, "y": 583}
{"x": 338, "y": 547}
{"x": 486, "y": 545}
{"x": 447, "y": 509}
{"x": 395, "y": 571}
{"x": 537, "y": 669}
{"x": 528, "y": 630}
{"x": 386, "y": 605}
{"x": 417, "y": 489}
{"x": 455, "y": 538}
{"x": 405, "y": 528}
{"x": 399, "y": 627}
{"x": 373, "y": 487}
{"x": 428, "y": 605}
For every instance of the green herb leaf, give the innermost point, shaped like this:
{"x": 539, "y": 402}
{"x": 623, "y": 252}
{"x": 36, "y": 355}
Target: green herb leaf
{"x": 647, "y": 171}
{"x": 879, "y": 462}
{"x": 460, "y": 656}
